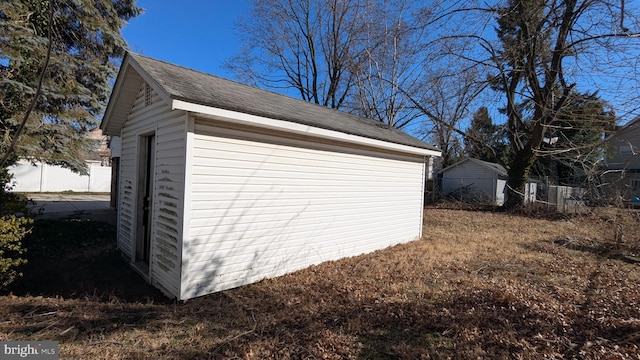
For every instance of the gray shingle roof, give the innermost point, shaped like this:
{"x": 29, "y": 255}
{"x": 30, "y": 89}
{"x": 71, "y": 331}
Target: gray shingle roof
{"x": 496, "y": 168}
{"x": 193, "y": 86}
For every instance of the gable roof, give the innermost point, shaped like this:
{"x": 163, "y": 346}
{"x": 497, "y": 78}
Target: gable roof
{"x": 493, "y": 167}
{"x": 622, "y": 130}
{"x": 181, "y": 86}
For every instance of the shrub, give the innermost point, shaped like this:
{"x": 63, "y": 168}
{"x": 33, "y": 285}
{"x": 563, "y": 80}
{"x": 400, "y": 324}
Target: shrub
{"x": 14, "y": 225}
{"x": 12, "y": 231}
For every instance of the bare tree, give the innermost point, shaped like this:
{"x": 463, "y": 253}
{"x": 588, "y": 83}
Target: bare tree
{"x": 444, "y": 97}
{"x": 355, "y": 55}
{"x": 389, "y": 63}
{"x": 304, "y": 45}
{"x": 545, "y": 53}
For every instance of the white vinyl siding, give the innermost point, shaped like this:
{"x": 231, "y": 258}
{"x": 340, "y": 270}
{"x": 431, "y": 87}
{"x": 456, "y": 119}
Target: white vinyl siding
{"x": 262, "y": 206}
{"x": 470, "y": 181}
{"x": 169, "y": 128}
{"x": 168, "y": 202}
{"x": 499, "y": 190}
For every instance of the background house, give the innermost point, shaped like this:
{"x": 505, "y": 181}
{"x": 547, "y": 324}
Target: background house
{"x": 622, "y": 176}
{"x": 479, "y": 181}
{"x": 102, "y": 151}
{"x": 223, "y": 184}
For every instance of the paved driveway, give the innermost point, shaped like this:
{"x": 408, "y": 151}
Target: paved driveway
{"x": 73, "y": 206}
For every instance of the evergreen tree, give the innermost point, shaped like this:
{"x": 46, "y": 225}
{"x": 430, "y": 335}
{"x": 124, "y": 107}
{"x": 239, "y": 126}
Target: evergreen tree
{"x": 56, "y": 60}
{"x": 485, "y": 140}
{"x": 573, "y": 148}
{"x": 538, "y": 40}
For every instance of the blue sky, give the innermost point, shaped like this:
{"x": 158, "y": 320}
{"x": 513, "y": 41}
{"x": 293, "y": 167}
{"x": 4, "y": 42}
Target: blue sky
{"x": 198, "y": 34}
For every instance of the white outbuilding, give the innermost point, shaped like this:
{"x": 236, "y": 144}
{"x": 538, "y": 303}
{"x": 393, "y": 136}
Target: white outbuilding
{"x": 481, "y": 182}
{"x": 223, "y": 184}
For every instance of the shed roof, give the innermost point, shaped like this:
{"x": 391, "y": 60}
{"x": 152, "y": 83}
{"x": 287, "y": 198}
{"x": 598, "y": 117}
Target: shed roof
{"x": 180, "y": 83}
{"x": 493, "y": 167}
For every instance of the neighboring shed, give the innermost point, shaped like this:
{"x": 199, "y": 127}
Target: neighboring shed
{"x": 479, "y": 181}
{"x": 223, "y": 184}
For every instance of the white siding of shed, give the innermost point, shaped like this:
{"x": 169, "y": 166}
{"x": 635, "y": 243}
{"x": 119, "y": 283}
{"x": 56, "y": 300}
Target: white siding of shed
{"x": 478, "y": 180}
{"x": 262, "y": 206}
{"x": 170, "y": 128}
{"x": 501, "y": 185}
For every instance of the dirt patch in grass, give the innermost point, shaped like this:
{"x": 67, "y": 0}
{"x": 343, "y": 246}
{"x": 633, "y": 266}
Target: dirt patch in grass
{"x": 479, "y": 285}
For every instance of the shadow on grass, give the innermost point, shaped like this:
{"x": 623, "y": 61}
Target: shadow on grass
{"x": 76, "y": 259}
{"x": 619, "y": 251}
{"x": 76, "y": 285}
{"x": 334, "y": 310}
{"x": 628, "y": 252}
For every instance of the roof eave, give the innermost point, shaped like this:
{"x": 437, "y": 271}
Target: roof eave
{"x": 107, "y": 123}
{"x": 484, "y": 164}
{"x": 297, "y": 128}
{"x": 623, "y": 129}
{"x": 125, "y": 89}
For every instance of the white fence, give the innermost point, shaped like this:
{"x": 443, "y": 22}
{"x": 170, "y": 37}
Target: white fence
{"x": 566, "y": 198}
{"x": 48, "y": 178}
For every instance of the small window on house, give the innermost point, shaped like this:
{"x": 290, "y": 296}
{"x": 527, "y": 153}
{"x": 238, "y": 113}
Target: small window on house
{"x": 635, "y": 184}
{"x": 625, "y": 149}
{"x": 147, "y": 94}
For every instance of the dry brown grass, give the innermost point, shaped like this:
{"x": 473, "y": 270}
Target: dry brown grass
{"x": 479, "y": 285}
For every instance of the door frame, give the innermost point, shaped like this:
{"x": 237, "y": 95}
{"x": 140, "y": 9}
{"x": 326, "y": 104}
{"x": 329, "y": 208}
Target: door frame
{"x": 144, "y": 201}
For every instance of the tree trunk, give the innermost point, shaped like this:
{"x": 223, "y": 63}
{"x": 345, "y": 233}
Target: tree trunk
{"x": 518, "y": 175}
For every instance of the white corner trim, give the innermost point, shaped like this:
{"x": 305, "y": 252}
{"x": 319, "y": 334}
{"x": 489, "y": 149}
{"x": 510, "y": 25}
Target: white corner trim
{"x": 291, "y": 127}
{"x": 186, "y": 206}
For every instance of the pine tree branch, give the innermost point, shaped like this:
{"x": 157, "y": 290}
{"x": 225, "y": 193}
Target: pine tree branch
{"x": 34, "y": 101}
